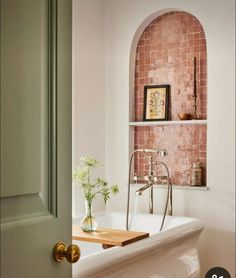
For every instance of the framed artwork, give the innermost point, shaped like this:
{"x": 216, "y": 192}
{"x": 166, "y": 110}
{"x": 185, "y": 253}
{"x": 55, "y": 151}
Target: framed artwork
{"x": 156, "y": 100}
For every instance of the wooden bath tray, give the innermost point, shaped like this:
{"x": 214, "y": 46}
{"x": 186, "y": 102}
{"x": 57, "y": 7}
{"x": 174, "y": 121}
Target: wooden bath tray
{"x": 108, "y": 237}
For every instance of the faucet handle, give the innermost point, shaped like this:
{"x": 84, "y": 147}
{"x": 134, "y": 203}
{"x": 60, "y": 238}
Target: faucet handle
{"x": 137, "y": 178}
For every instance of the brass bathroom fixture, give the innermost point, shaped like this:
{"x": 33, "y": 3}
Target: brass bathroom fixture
{"x": 151, "y": 180}
{"x": 158, "y": 180}
{"x": 72, "y": 253}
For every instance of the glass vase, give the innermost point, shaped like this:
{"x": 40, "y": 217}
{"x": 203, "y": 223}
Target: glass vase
{"x": 88, "y": 223}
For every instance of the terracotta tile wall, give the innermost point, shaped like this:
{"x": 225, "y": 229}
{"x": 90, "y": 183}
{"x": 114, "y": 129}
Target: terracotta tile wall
{"x": 165, "y": 55}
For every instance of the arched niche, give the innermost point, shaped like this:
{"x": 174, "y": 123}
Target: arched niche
{"x": 163, "y": 52}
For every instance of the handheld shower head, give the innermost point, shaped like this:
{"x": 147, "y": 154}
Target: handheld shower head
{"x": 151, "y": 150}
{"x": 161, "y": 152}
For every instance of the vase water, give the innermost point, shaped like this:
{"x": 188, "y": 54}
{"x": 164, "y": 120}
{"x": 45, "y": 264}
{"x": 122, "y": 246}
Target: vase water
{"x": 88, "y": 223}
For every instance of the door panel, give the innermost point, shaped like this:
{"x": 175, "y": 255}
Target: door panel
{"x": 35, "y": 136}
{"x": 24, "y": 53}
{"x": 28, "y": 115}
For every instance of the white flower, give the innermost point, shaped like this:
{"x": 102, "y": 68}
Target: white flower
{"x": 81, "y": 175}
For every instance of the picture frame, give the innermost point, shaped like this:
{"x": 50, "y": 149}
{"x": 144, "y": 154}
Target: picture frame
{"x": 156, "y": 102}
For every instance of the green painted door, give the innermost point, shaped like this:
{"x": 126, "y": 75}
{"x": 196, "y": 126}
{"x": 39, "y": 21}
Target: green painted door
{"x": 35, "y": 136}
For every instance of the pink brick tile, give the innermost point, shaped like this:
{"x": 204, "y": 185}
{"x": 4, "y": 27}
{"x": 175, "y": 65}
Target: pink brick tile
{"x": 170, "y": 60}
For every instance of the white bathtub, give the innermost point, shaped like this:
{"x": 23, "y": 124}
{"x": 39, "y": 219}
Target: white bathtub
{"x": 170, "y": 253}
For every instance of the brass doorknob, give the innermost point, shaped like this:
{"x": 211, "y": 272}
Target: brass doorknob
{"x": 72, "y": 253}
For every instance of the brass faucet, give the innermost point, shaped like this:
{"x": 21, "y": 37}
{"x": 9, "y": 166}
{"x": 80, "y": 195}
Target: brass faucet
{"x": 151, "y": 179}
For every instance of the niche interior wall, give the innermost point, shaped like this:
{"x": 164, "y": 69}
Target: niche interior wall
{"x": 165, "y": 55}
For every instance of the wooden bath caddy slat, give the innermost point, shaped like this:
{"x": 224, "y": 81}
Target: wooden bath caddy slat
{"x": 107, "y": 236}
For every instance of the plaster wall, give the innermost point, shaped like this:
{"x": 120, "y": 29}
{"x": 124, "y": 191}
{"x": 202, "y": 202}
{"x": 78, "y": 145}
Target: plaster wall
{"x": 125, "y": 21}
{"x": 88, "y": 90}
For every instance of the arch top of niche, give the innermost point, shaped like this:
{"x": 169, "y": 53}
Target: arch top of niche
{"x": 148, "y": 20}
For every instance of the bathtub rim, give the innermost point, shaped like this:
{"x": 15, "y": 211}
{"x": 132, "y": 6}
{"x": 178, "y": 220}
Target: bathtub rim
{"x": 116, "y": 255}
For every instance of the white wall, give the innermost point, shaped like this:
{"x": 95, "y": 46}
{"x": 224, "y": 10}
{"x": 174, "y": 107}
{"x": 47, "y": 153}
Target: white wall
{"x": 215, "y": 207}
{"x": 88, "y": 89}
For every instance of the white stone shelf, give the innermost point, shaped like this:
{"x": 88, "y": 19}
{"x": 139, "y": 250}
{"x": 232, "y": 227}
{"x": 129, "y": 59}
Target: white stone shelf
{"x": 178, "y": 187}
{"x": 162, "y": 123}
